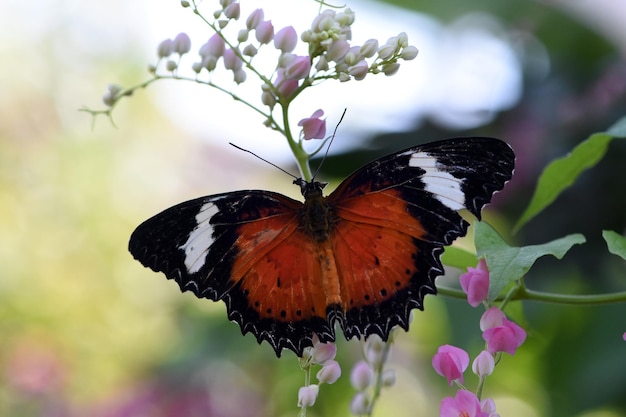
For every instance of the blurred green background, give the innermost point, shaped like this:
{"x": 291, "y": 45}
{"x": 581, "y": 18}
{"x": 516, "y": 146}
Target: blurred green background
{"x": 87, "y": 331}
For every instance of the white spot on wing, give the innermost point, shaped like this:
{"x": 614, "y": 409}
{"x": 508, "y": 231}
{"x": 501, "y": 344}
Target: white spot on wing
{"x": 200, "y": 239}
{"x": 444, "y": 187}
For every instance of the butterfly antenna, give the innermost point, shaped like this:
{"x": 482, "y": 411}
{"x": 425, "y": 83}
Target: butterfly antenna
{"x": 262, "y": 159}
{"x": 329, "y": 143}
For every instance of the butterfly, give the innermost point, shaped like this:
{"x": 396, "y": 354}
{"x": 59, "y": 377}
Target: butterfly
{"x": 362, "y": 257}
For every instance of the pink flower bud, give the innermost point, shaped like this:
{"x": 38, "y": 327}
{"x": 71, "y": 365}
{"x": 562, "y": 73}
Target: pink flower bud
{"x": 491, "y": 318}
{"x": 330, "y": 372}
{"x": 307, "y": 395}
{"x": 209, "y": 62}
{"x": 165, "y": 48}
{"x": 360, "y": 404}
{"x": 286, "y": 39}
{"x": 285, "y": 86}
{"x": 359, "y": 71}
{"x": 182, "y": 43}
{"x": 450, "y": 362}
{"x": 464, "y": 403}
{"x": 264, "y": 32}
{"x": 254, "y": 19}
{"x": 483, "y": 364}
{"x": 323, "y": 352}
{"x": 313, "y": 127}
{"x": 505, "y": 338}
{"x": 232, "y": 11}
{"x": 298, "y": 68}
{"x": 361, "y": 376}
{"x": 489, "y": 407}
{"x": 231, "y": 60}
{"x": 475, "y": 283}
{"x": 214, "y": 47}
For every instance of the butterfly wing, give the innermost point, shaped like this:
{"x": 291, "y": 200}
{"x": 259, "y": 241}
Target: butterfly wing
{"x": 396, "y": 215}
{"x": 244, "y": 248}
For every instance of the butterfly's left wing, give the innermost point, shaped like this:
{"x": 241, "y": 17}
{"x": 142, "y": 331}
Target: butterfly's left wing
{"x": 395, "y": 216}
{"x": 246, "y": 249}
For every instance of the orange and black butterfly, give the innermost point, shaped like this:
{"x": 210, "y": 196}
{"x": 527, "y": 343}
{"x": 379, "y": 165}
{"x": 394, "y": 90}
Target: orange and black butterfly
{"x": 362, "y": 257}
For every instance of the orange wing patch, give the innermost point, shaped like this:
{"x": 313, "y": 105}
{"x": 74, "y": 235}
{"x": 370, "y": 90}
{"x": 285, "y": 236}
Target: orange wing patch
{"x": 278, "y": 270}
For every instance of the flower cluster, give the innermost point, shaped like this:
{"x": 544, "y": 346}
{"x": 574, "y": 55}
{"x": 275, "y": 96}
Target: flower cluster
{"x": 320, "y": 354}
{"x": 237, "y": 41}
{"x": 500, "y": 335}
{"x": 369, "y": 375}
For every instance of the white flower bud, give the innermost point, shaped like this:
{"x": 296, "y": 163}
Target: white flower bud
{"x": 390, "y": 69}
{"x": 171, "y": 65}
{"x": 402, "y": 40}
{"x": 307, "y": 395}
{"x": 389, "y": 377}
{"x": 268, "y": 99}
{"x": 369, "y": 48}
{"x": 250, "y": 50}
{"x": 197, "y": 67}
{"x": 239, "y": 76}
{"x": 409, "y": 53}
{"x": 184, "y": 3}
{"x": 242, "y": 35}
{"x": 386, "y": 51}
{"x": 209, "y": 62}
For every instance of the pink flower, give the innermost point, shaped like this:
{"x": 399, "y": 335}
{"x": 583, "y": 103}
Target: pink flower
{"x": 464, "y": 404}
{"x": 214, "y": 47}
{"x": 330, "y": 372}
{"x": 286, "y": 39}
{"x": 285, "y": 86}
{"x": 313, "y": 127}
{"x": 505, "y": 338}
{"x": 450, "y": 362}
{"x": 298, "y": 68}
{"x": 475, "y": 283}
{"x": 501, "y": 334}
{"x": 232, "y": 61}
{"x": 322, "y": 352}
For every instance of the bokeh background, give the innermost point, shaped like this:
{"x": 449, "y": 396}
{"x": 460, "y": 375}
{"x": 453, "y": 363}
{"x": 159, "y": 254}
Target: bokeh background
{"x": 87, "y": 331}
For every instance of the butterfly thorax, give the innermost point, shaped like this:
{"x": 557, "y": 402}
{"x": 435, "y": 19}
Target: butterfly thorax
{"x": 317, "y": 217}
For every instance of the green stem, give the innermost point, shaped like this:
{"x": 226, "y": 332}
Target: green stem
{"x": 526, "y": 294}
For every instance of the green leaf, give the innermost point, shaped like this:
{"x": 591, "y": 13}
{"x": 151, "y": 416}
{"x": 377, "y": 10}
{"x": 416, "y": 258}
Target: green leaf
{"x": 615, "y": 242}
{"x": 508, "y": 263}
{"x": 561, "y": 173}
{"x": 459, "y": 258}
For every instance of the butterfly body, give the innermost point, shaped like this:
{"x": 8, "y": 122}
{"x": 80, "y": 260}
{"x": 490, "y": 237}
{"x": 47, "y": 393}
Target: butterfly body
{"x": 363, "y": 256}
